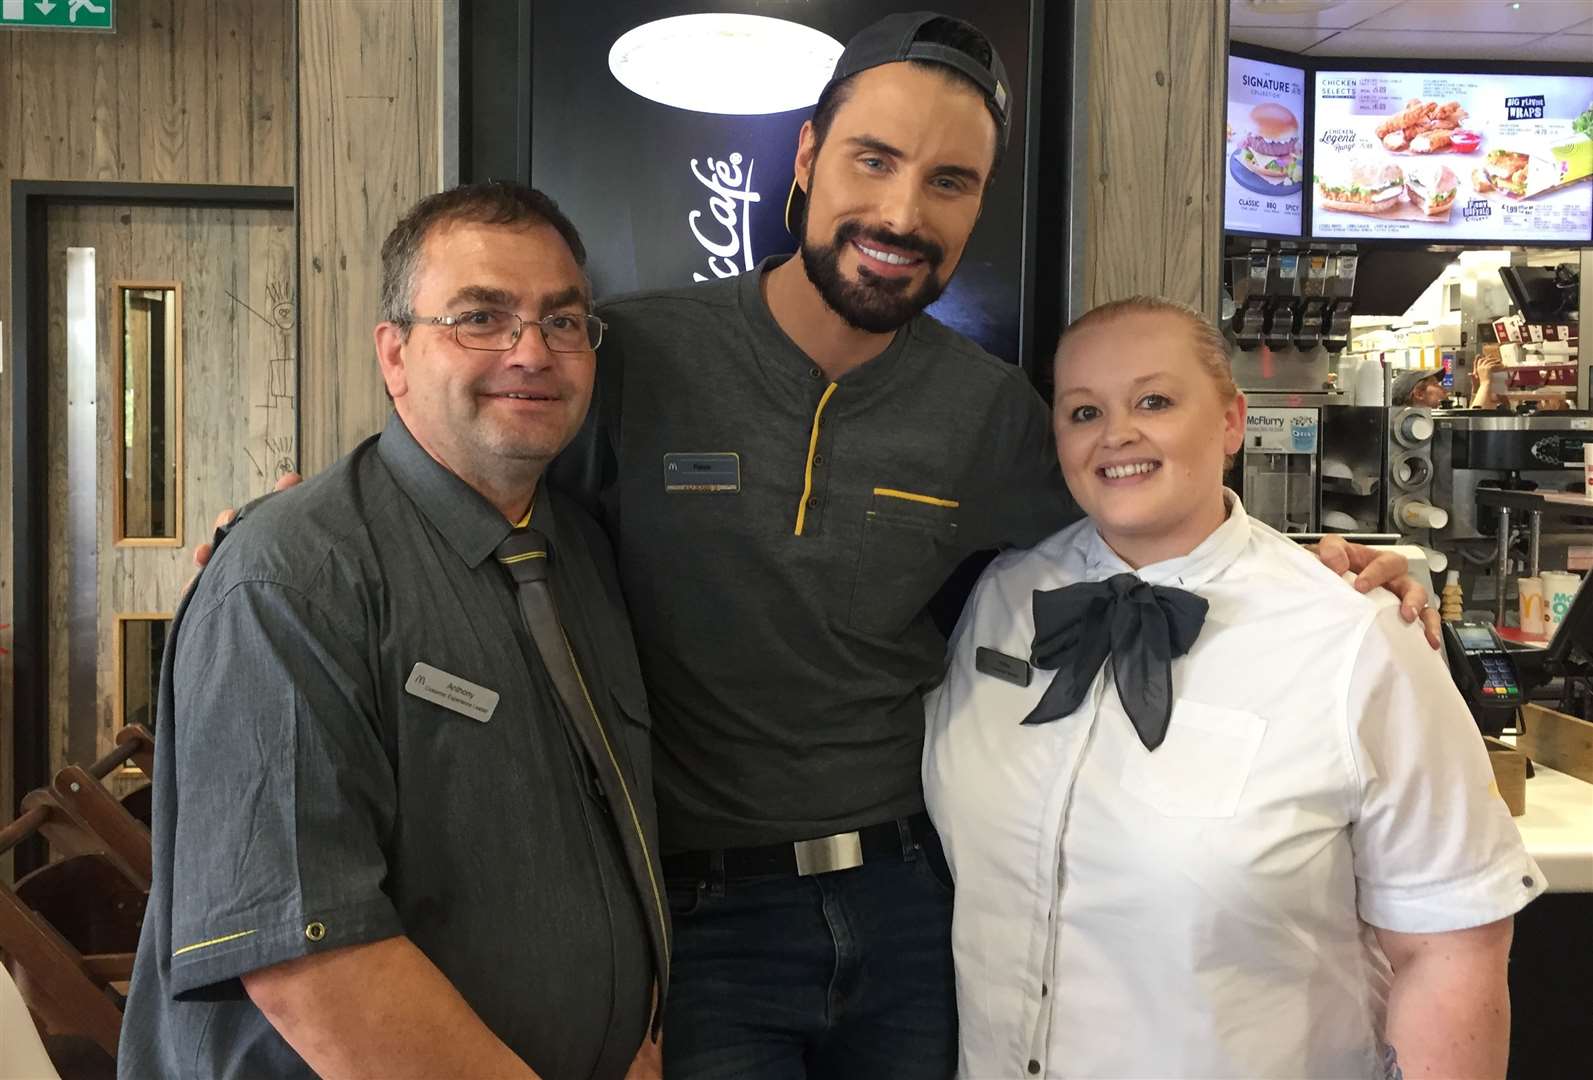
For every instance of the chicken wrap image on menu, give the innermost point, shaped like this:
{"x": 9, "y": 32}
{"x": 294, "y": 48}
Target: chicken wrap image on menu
{"x": 1459, "y": 156}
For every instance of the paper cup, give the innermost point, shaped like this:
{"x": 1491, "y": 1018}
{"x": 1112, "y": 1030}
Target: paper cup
{"x": 1559, "y": 590}
{"x": 1369, "y": 382}
{"x": 1531, "y": 601}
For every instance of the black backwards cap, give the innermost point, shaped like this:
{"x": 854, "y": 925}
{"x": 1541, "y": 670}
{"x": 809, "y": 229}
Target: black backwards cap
{"x": 894, "y": 39}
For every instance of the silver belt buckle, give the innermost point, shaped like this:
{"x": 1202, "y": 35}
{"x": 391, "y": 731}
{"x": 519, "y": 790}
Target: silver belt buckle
{"x": 828, "y": 853}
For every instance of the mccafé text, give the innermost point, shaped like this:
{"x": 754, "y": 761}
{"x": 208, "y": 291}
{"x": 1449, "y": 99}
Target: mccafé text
{"x": 732, "y": 193}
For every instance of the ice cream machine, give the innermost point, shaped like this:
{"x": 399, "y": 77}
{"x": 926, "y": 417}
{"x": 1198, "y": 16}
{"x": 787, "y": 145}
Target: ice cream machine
{"x": 1310, "y": 464}
{"x": 1278, "y": 469}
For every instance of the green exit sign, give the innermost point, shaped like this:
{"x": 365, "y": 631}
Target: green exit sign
{"x": 58, "y": 15}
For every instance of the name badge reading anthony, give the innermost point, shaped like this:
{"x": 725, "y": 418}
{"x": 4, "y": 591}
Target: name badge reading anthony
{"x": 1002, "y": 666}
{"x": 451, "y": 692}
{"x": 703, "y": 474}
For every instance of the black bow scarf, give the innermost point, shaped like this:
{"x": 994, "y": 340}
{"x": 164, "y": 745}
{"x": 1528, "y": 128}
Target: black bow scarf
{"x": 1142, "y": 627}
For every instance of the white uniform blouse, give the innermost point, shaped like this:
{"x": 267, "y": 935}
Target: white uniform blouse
{"x": 1202, "y": 911}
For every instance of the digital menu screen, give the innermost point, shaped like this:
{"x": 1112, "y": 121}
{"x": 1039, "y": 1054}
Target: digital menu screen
{"x": 1442, "y": 156}
{"x": 1266, "y": 110}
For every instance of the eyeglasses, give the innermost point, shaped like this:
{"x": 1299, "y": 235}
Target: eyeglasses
{"x": 499, "y": 331}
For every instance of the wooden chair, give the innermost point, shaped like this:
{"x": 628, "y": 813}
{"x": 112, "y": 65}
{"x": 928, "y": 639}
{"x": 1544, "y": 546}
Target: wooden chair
{"x": 83, "y": 818}
{"x": 140, "y": 803}
{"x": 69, "y": 930}
{"x": 141, "y": 744}
{"x": 90, "y": 903}
{"x": 69, "y": 990}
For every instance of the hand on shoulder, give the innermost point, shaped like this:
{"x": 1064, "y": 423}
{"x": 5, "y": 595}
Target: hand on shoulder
{"x": 204, "y": 550}
{"x": 1380, "y": 568}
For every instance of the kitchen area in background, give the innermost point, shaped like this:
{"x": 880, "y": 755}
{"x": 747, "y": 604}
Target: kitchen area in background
{"x": 1408, "y": 260}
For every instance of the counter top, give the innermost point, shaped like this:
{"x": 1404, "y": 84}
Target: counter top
{"x": 1568, "y": 502}
{"x": 1558, "y": 829}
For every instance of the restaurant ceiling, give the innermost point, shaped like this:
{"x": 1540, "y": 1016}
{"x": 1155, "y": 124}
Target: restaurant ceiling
{"x": 1538, "y": 30}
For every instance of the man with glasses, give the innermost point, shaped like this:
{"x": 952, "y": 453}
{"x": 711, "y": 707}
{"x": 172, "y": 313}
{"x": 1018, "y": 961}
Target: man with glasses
{"x": 404, "y": 821}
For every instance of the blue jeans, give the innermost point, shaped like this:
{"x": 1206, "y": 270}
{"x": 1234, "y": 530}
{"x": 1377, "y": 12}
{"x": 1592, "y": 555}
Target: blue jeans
{"x": 840, "y": 975}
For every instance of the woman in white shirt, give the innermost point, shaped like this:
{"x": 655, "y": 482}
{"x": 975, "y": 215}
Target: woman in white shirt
{"x": 1236, "y": 825}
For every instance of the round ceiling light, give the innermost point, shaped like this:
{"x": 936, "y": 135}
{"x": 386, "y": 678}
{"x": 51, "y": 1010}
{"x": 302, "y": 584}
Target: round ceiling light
{"x": 740, "y": 65}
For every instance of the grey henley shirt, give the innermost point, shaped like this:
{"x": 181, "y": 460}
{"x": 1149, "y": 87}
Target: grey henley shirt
{"x": 781, "y": 606}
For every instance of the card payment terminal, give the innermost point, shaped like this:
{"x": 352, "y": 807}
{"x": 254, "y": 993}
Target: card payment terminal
{"x": 1485, "y": 672}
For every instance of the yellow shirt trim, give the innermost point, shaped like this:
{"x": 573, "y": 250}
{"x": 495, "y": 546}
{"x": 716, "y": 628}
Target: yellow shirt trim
{"x": 911, "y": 496}
{"x": 212, "y": 941}
{"x": 636, "y": 821}
{"x": 526, "y": 521}
{"x": 813, "y": 447}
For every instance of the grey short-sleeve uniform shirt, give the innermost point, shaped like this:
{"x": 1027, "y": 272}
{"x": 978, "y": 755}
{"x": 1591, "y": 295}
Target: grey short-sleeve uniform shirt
{"x": 783, "y": 625}
{"x": 306, "y": 800}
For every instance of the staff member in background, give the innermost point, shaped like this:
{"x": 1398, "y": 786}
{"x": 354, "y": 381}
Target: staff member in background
{"x": 1488, "y": 364}
{"x": 1172, "y": 834}
{"x": 1482, "y": 371}
{"x": 790, "y": 465}
{"x": 1419, "y": 387}
{"x": 389, "y": 839}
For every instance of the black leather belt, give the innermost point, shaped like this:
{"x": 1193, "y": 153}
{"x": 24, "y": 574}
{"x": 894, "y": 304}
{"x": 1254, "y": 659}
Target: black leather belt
{"x": 897, "y": 840}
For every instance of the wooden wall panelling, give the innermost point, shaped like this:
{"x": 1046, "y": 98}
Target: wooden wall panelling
{"x": 368, "y": 89}
{"x": 1158, "y": 72}
{"x": 185, "y": 91}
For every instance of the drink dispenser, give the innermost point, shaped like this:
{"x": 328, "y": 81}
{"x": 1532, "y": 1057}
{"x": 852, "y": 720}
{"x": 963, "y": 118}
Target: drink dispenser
{"x": 1283, "y": 300}
{"x": 1319, "y": 268}
{"x": 1249, "y": 274}
{"x": 1340, "y": 291}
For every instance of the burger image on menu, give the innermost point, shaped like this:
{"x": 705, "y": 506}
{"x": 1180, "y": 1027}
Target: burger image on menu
{"x": 1360, "y": 186}
{"x": 1430, "y": 186}
{"x": 1271, "y": 151}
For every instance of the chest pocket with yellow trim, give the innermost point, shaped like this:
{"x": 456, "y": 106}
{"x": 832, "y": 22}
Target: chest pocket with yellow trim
{"x": 909, "y": 546}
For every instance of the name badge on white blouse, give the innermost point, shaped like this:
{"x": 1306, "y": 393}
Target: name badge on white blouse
{"x": 451, "y": 692}
{"x": 1008, "y": 668}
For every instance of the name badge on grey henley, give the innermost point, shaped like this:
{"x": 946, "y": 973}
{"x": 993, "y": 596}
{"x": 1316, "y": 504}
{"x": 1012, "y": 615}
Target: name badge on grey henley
{"x": 451, "y": 692}
{"x": 702, "y": 473}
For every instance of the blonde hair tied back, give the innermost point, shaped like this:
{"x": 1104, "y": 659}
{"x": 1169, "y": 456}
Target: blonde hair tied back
{"x": 1210, "y": 347}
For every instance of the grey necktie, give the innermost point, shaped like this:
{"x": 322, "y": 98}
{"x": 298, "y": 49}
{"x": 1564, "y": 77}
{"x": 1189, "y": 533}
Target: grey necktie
{"x": 525, "y": 554}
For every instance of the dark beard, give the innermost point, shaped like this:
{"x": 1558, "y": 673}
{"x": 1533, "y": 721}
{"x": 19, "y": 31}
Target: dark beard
{"x": 873, "y": 304}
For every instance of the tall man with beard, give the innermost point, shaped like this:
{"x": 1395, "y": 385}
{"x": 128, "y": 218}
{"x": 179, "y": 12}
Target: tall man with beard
{"x": 791, "y": 463}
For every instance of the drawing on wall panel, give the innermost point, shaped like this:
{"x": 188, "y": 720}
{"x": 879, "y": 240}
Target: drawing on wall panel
{"x": 272, "y": 444}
